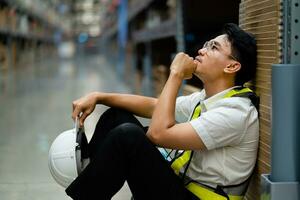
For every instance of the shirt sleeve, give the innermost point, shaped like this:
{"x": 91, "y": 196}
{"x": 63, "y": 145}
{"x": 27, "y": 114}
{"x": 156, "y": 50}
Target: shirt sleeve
{"x": 221, "y": 126}
{"x": 182, "y": 110}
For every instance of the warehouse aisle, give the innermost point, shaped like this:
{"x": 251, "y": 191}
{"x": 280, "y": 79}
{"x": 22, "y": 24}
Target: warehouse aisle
{"x": 35, "y": 107}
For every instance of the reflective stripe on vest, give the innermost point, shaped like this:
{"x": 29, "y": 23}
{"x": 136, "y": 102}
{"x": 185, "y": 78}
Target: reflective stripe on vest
{"x": 206, "y": 194}
{"x": 181, "y": 162}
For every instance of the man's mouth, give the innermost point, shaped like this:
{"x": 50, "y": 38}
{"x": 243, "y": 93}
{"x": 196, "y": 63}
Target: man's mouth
{"x": 198, "y": 59}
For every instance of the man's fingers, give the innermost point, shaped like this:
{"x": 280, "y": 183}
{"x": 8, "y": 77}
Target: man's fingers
{"x": 73, "y": 105}
{"x": 76, "y": 112}
{"x": 83, "y": 117}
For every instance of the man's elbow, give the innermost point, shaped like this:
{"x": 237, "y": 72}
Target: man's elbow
{"x": 154, "y": 136}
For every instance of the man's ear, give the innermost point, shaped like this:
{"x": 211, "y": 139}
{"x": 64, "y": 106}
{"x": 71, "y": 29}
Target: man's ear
{"x": 232, "y": 68}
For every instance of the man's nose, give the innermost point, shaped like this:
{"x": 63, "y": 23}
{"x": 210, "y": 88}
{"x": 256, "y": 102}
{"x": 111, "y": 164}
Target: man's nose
{"x": 202, "y": 51}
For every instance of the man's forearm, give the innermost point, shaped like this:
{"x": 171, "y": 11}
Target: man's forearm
{"x": 139, "y": 105}
{"x": 164, "y": 112}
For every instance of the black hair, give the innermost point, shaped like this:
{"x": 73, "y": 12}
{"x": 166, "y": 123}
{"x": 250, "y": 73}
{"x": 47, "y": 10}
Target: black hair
{"x": 243, "y": 48}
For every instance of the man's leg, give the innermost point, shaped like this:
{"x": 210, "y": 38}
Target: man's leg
{"x": 110, "y": 119}
{"x": 127, "y": 154}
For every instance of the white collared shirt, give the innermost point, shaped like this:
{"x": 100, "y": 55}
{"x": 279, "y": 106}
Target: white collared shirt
{"x": 229, "y": 128}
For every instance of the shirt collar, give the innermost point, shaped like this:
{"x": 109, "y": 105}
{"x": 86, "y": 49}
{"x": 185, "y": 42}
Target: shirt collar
{"x": 207, "y": 102}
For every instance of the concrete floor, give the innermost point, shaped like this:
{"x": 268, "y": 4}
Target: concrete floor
{"x": 35, "y": 106}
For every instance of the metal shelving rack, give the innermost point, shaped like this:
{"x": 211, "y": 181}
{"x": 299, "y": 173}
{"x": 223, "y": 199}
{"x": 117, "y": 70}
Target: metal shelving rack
{"x": 165, "y": 29}
{"x": 31, "y": 13}
{"x": 16, "y": 43}
{"x": 26, "y": 36}
{"x": 153, "y": 40}
{"x": 137, "y": 8}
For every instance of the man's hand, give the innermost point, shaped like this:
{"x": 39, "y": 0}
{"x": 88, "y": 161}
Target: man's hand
{"x": 84, "y": 106}
{"x": 184, "y": 65}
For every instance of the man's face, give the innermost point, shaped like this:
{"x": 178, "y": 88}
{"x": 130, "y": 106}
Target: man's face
{"x": 213, "y": 58}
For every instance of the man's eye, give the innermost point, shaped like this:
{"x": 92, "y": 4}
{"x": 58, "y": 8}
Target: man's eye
{"x": 214, "y": 47}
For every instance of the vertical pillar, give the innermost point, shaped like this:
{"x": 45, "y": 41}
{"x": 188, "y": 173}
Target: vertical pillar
{"x": 285, "y": 123}
{"x": 180, "y": 31}
{"x": 179, "y": 26}
{"x": 122, "y": 37}
{"x": 133, "y": 65}
{"x": 147, "y": 68}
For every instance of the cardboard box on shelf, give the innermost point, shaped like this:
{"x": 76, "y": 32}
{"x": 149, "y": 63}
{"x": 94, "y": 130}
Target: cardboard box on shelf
{"x": 172, "y": 8}
{"x": 3, "y": 57}
{"x": 160, "y": 76}
{"x": 14, "y": 56}
{"x": 2, "y": 20}
{"x": 3, "y": 17}
{"x": 12, "y": 20}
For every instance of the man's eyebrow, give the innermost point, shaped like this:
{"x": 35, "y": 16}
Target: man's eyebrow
{"x": 216, "y": 43}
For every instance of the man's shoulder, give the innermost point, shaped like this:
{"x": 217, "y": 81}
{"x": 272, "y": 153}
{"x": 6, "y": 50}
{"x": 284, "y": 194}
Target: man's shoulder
{"x": 242, "y": 103}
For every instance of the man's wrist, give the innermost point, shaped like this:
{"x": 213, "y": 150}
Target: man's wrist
{"x": 97, "y": 96}
{"x": 175, "y": 73}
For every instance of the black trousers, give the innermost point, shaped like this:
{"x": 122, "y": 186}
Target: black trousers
{"x": 120, "y": 151}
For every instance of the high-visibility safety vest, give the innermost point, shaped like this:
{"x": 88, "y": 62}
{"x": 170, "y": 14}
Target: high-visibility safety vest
{"x": 182, "y": 161}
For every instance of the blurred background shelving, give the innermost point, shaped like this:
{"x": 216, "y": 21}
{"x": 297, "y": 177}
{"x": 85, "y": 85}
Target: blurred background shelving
{"x": 156, "y": 30}
{"x": 28, "y": 31}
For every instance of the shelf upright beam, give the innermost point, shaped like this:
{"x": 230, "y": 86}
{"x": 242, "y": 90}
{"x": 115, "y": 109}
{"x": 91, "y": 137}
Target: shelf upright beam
{"x": 179, "y": 26}
{"x": 291, "y": 31}
{"x": 180, "y": 33}
{"x": 147, "y": 68}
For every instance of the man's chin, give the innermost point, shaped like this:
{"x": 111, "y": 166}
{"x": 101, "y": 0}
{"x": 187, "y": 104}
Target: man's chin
{"x": 197, "y": 75}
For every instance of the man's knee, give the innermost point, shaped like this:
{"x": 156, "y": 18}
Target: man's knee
{"x": 111, "y": 116}
{"x": 115, "y": 112}
{"x": 128, "y": 134}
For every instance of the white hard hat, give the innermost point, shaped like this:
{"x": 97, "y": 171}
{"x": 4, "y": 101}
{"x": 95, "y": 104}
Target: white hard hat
{"x": 66, "y": 156}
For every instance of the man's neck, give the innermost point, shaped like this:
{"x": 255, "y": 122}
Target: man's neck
{"x": 215, "y": 88}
